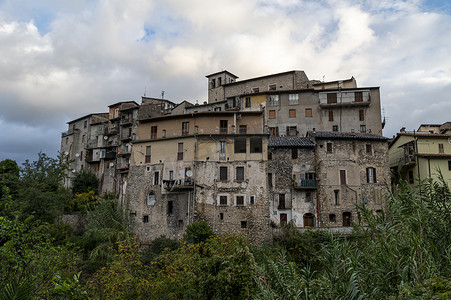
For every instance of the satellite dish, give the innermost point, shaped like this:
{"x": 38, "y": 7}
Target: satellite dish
{"x": 111, "y": 165}
{"x": 449, "y": 140}
{"x": 303, "y": 168}
{"x": 77, "y": 154}
{"x": 66, "y": 153}
{"x": 105, "y": 137}
{"x": 73, "y": 171}
{"x": 189, "y": 173}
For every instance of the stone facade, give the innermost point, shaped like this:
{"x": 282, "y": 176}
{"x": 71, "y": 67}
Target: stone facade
{"x": 352, "y": 170}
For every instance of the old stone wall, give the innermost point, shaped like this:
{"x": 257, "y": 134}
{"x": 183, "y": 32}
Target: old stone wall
{"x": 343, "y": 179}
{"x": 249, "y": 218}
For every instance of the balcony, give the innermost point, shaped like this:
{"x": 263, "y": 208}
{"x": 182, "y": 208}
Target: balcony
{"x": 180, "y": 184}
{"x": 125, "y": 122}
{"x": 110, "y": 155}
{"x": 306, "y": 184}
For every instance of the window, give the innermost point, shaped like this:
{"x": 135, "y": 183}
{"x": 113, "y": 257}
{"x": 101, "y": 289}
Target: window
{"x": 347, "y": 219}
{"x": 332, "y": 218}
{"x": 358, "y": 97}
{"x": 377, "y": 197}
{"x": 335, "y": 128}
{"x": 243, "y": 224}
{"x": 361, "y": 115}
{"x": 170, "y": 207}
{"x": 239, "y": 173}
{"x": 164, "y": 133}
{"x": 331, "y": 98}
{"x": 185, "y": 128}
{"x": 213, "y": 83}
{"x": 153, "y": 132}
{"x": 342, "y": 177}
{"x": 180, "y": 223}
{"x": 283, "y": 219}
{"x": 81, "y": 155}
{"x": 309, "y": 220}
{"x": 308, "y": 112}
{"x": 222, "y": 150}
{"x": 370, "y": 175}
{"x": 180, "y": 151}
{"x": 292, "y": 131}
{"x": 255, "y": 90}
{"x": 171, "y": 175}
{"x": 308, "y": 197}
{"x": 411, "y": 179}
{"x": 85, "y": 124}
{"x": 449, "y": 165}
{"x": 219, "y": 81}
{"x": 146, "y": 219}
{"x": 240, "y": 200}
{"x": 272, "y": 87}
{"x": 255, "y": 145}
{"x": 243, "y": 129}
{"x": 221, "y": 216}
{"x": 329, "y": 147}
{"x": 362, "y": 128}
{"x": 440, "y": 148}
{"x": 151, "y": 198}
{"x": 252, "y": 200}
{"x": 273, "y": 100}
{"x": 293, "y": 99}
{"x": 83, "y": 138}
{"x": 147, "y": 158}
{"x": 223, "y": 126}
{"x": 272, "y": 114}
{"x": 336, "y": 197}
{"x": 294, "y": 153}
{"x": 247, "y": 102}
{"x": 292, "y": 113}
{"x": 222, "y": 173}
{"x": 222, "y": 200}
{"x": 281, "y": 201}
{"x": 369, "y": 149}
{"x": 240, "y": 145}
{"x": 270, "y": 180}
{"x": 156, "y": 178}
{"x": 274, "y": 131}
{"x": 331, "y": 116}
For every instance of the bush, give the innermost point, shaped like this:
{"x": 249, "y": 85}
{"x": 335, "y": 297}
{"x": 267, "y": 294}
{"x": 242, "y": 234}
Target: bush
{"x": 198, "y": 232}
{"x": 85, "y": 181}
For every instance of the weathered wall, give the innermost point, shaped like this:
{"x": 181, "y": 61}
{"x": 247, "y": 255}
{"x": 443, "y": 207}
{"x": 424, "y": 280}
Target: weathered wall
{"x": 351, "y": 156}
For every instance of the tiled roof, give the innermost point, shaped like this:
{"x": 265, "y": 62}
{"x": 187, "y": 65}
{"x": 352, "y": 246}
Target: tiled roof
{"x": 345, "y": 135}
{"x": 290, "y": 142}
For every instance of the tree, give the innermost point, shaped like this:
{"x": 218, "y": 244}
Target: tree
{"x": 9, "y": 176}
{"x": 198, "y": 232}
{"x": 41, "y": 193}
{"x": 85, "y": 181}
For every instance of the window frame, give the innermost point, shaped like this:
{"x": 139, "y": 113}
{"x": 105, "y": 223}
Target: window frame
{"x": 239, "y": 173}
{"x": 371, "y": 175}
{"x": 292, "y": 113}
{"x": 272, "y": 114}
{"x": 308, "y": 113}
{"x": 179, "y": 151}
{"x": 148, "y": 155}
{"x": 293, "y": 99}
{"x": 238, "y": 143}
{"x": 223, "y": 176}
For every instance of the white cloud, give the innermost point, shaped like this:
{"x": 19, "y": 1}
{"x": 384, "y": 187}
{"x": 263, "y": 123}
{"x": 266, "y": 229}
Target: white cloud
{"x": 64, "y": 59}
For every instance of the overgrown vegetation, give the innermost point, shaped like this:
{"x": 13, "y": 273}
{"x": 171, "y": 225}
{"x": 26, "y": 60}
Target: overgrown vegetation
{"x": 402, "y": 253}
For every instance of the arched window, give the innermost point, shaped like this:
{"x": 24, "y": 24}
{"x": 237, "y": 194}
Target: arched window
{"x": 347, "y": 219}
{"x": 309, "y": 220}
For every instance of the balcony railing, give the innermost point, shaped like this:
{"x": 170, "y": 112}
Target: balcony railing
{"x": 306, "y": 184}
{"x": 178, "y": 184}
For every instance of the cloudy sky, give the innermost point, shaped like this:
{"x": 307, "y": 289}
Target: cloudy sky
{"x": 60, "y": 60}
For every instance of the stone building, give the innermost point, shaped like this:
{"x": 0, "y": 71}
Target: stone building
{"x": 352, "y": 169}
{"x": 294, "y": 104}
{"x": 200, "y": 166}
{"x": 292, "y": 181}
{"x": 421, "y": 154}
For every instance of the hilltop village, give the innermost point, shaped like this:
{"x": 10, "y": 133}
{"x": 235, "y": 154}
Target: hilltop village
{"x": 260, "y": 153}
